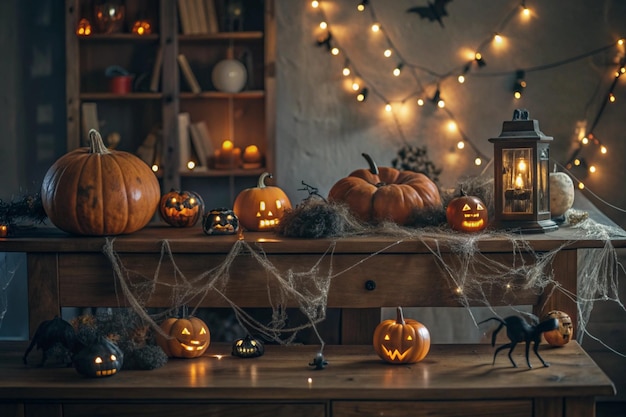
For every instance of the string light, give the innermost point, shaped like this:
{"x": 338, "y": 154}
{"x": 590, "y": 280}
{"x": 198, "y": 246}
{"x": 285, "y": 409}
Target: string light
{"x": 520, "y": 84}
{"x": 362, "y": 96}
{"x": 315, "y": 4}
{"x": 478, "y": 161}
{"x": 323, "y": 25}
{"x": 361, "y": 6}
{"x": 375, "y": 27}
{"x": 398, "y": 70}
{"x": 592, "y": 169}
{"x": 387, "y": 53}
{"x": 460, "y": 144}
{"x": 388, "y": 108}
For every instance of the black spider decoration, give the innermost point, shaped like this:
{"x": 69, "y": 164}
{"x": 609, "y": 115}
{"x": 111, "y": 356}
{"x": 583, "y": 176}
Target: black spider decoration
{"x": 432, "y": 11}
{"x": 518, "y": 330}
{"x": 51, "y": 333}
{"x": 318, "y": 361}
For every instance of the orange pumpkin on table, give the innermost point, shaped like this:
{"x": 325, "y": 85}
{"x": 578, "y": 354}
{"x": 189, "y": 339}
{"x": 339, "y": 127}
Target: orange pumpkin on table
{"x": 467, "y": 213}
{"x": 97, "y": 191}
{"x": 262, "y": 207}
{"x": 379, "y": 194}
{"x": 401, "y": 340}
{"x": 184, "y": 337}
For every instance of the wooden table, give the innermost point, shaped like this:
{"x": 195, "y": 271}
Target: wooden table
{"x": 452, "y": 381}
{"x": 459, "y": 380}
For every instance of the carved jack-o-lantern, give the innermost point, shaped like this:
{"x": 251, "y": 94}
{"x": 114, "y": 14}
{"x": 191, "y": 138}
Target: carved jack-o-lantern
{"x": 401, "y": 340}
{"x": 142, "y": 27}
{"x": 220, "y": 221}
{"x": 247, "y": 347}
{"x": 83, "y": 28}
{"x": 181, "y": 208}
{"x": 467, "y": 213}
{"x": 186, "y": 338}
{"x": 564, "y": 333}
{"x": 102, "y": 358}
{"x": 262, "y": 207}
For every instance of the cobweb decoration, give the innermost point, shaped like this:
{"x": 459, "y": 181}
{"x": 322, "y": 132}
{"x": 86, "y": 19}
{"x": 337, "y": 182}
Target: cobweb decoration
{"x": 469, "y": 274}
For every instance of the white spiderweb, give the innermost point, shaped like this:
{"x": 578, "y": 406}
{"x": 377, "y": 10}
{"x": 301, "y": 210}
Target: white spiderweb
{"x": 468, "y": 273}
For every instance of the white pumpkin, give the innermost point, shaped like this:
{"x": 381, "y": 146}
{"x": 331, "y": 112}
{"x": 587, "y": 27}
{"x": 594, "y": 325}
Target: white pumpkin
{"x": 561, "y": 193}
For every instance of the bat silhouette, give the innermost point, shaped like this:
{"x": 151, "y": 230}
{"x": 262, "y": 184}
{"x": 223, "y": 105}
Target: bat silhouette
{"x": 432, "y": 11}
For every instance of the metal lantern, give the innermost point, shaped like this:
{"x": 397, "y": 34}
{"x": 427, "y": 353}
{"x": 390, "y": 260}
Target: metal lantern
{"x": 521, "y": 176}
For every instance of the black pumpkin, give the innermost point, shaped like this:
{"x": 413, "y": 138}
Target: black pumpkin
{"x": 248, "y": 347}
{"x": 220, "y": 221}
{"x": 100, "y": 359}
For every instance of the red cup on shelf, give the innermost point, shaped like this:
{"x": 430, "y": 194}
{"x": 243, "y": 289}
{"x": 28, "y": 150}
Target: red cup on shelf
{"x": 121, "y": 84}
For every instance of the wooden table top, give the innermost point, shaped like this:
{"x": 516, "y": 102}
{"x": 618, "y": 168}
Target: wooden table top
{"x": 353, "y": 372}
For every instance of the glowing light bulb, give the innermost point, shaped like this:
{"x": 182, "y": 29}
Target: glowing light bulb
{"x": 155, "y": 168}
{"x": 441, "y": 104}
{"x": 360, "y": 97}
{"x": 191, "y": 165}
{"x": 497, "y": 38}
{"x": 356, "y": 86}
{"x": 334, "y": 51}
{"x": 388, "y": 107}
{"x": 315, "y": 4}
{"x": 581, "y": 186}
{"x": 603, "y": 149}
{"x": 452, "y": 127}
{"x": 592, "y": 169}
{"x": 420, "y": 102}
{"x": 478, "y": 161}
{"x": 461, "y": 79}
{"x": 517, "y": 95}
{"x": 620, "y": 42}
{"x": 375, "y": 27}
{"x": 612, "y": 98}
{"x": 585, "y": 140}
{"x": 397, "y": 70}
{"x": 526, "y": 11}
{"x": 345, "y": 71}
{"x": 323, "y": 25}
{"x": 387, "y": 53}
{"x": 577, "y": 162}
{"x": 460, "y": 144}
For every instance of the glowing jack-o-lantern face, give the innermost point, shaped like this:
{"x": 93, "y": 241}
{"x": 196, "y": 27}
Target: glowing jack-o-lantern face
{"x": 181, "y": 208}
{"x": 184, "y": 338}
{"x": 261, "y": 208}
{"x": 83, "y": 28}
{"x": 100, "y": 359}
{"x": 565, "y": 332}
{"x": 248, "y": 347}
{"x": 401, "y": 340}
{"x": 220, "y": 221}
{"x": 467, "y": 214}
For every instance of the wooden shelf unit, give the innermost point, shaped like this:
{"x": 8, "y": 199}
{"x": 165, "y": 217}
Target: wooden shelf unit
{"x": 246, "y": 117}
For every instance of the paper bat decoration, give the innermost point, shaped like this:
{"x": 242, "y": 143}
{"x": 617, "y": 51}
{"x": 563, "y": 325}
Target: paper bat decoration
{"x": 433, "y": 11}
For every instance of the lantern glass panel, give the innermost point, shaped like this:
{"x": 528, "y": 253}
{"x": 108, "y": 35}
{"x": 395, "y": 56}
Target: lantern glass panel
{"x": 543, "y": 198}
{"x": 517, "y": 178}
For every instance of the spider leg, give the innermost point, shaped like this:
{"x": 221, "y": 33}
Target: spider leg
{"x": 512, "y": 344}
{"x": 528, "y": 353}
{"x": 536, "y": 350}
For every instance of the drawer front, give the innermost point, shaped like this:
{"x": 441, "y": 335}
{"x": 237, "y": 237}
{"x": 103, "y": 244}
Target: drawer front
{"x": 195, "y": 410}
{"x": 498, "y": 408}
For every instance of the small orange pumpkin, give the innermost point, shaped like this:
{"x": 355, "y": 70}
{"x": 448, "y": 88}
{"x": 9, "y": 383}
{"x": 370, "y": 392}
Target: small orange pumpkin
{"x": 262, "y": 207}
{"x": 181, "y": 208}
{"x": 378, "y": 194}
{"x": 186, "y": 337}
{"x": 467, "y": 213}
{"x": 401, "y": 340}
{"x": 562, "y": 335}
{"x": 97, "y": 191}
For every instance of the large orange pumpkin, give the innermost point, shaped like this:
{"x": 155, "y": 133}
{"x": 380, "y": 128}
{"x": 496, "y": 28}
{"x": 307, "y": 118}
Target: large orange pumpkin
{"x": 378, "y": 194}
{"x": 262, "y": 207}
{"x": 401, "y": 340}
{"x": 97, "y": 191}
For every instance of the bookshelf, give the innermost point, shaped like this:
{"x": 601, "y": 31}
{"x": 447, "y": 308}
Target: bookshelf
{"x": 245, "y": 117}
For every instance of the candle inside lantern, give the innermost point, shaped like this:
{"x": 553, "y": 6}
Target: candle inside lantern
{"x": 252, "y": 157}
{"x": 4, "y": 230}
{"x": 519, "y": 182}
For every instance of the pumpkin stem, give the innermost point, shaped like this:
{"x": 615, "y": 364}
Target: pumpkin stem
{"x": 261, "y": 183}
{"x": 400, "y": 316}
{"x": 372, "y": 164}
{"x": 96, "y": 144}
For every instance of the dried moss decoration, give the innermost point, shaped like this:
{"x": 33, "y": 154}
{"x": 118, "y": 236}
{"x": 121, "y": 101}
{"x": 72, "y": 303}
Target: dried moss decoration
{"x": 415, "y": 158}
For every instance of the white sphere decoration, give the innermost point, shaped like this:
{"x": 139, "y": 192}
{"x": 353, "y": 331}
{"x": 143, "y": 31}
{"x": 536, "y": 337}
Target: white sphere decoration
{"x": 229, "y": 76}
{"x": 561, "y": 193}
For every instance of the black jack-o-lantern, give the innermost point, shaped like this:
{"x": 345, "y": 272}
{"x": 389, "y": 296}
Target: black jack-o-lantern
{"x": 100, "y": 359}
{"x": 467, "y": 213}
{"x": 181, "y": 208}
{"x": 248, "y": 347}
{"x": 220, "y": 221}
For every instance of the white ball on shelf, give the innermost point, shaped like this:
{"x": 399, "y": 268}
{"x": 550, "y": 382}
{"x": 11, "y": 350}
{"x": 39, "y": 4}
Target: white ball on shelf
{"x": 229, "y": 76}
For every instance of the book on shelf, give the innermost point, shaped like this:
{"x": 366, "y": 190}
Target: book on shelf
{"x": 184, "y": 144}
{"x": 184, "y": 15}
{"x": 198, "y": 144}
{"x": 89, "y": 119}
{"x": 155, "y": 78}
{"x": 199, "y": 14}
{"x": 211, "y": 16}
{"x": 188, "y": 74}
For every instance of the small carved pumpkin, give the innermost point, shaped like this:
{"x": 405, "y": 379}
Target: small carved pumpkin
{"x": 220, "y": 221}
{"x": 467, "y": 213}
{"x": 379, "y": 194}
{"x": 262, "y": 207}
{"x": 181, "y": 208}
{"x": 186, "y": 338}
{"x": 561, "y": 193}
{"x": 100, "y": 359}
{"x": 248, "y": 347}
{"x": 564, "y": 333}
{"x": 401, "y": 340}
